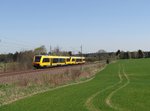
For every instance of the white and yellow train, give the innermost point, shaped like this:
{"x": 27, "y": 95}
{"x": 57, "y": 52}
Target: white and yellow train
{"x": 41, "y": 61}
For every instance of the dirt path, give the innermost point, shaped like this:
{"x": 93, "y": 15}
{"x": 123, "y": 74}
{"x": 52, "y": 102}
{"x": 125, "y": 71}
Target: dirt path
{"x": 89, "y": 103}
{"x": 109, "y": 97}
{"x": 122, "y": 77}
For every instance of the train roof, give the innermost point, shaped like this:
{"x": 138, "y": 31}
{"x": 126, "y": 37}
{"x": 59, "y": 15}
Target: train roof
{"x": 51, "y": 56}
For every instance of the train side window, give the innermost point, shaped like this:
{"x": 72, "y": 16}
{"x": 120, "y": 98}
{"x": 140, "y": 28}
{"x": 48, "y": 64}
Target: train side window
{"x": 46, "y": 60}
{"x": 79, "y": 60}
{"x": 62, "y": 60}
{"x": 68, "y": 60}
{"x": 73, "y": 59}
{"x": 55, "y": 60}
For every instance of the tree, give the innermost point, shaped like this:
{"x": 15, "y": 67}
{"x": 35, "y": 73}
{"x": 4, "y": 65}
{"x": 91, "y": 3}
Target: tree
{"x": 56, "y": 51}
{"x": 24, "y": 59}
{"x": 140, "y": 54}
{"x": 9, "y": 57}
{"x": 15, "y": 56}
{"x": 118, "y": 53}
{"x": 100, "y": 53}
{"x": 126, "y": 55}
{"x": 134, "y": 55}
{"x": 70, "y": 53}
{"x": 107, "y": 61}
{"x": 121, "y": 55}
{"x": 40, "y": 50}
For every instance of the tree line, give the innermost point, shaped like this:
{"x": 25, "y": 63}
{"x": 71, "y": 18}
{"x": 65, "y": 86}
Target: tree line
{"x": 132, "y": 55}
{"x": 28, "y": 55}
{"x": 23, "y": 60}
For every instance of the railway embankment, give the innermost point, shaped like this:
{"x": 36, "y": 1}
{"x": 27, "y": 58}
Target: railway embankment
{"x": 17, "y": 85}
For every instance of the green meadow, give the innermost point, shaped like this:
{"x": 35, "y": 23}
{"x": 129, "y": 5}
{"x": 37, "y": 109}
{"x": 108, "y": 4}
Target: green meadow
{"x": 121, "y": 86}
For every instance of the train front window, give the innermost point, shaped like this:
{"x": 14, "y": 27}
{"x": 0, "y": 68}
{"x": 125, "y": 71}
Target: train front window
{"x": 37, "y": 59}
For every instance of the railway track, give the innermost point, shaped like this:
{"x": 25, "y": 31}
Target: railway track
{"x": 39, "y": 70}
{"x": 16, "y": 73}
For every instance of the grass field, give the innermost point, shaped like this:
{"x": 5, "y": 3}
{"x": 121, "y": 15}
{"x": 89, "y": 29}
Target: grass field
{"x": 122, "y": 86}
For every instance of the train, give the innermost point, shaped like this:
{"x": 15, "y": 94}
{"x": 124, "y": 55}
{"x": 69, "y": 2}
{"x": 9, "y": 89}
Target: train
{"x": 43, "y": 61}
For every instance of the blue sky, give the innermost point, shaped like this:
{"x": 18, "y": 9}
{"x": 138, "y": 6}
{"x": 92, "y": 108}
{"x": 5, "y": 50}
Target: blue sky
{"x": 96, "y": 24}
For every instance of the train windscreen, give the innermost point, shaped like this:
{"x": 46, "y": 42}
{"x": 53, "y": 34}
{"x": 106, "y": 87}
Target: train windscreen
{"x": 37, "y": 59}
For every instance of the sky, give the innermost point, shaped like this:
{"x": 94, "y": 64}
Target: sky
{"x": 94, "y": 24}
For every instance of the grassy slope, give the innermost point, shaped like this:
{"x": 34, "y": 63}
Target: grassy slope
{"x": 106, "y": 92}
